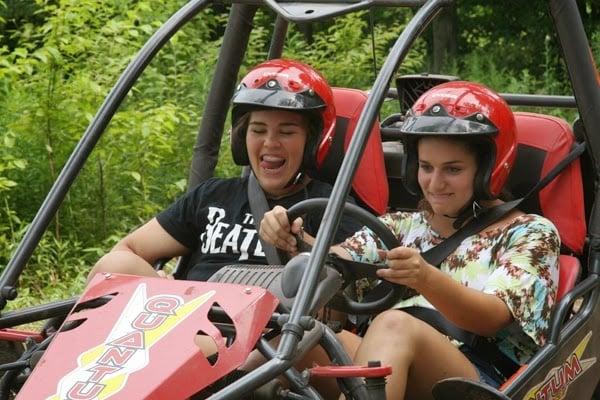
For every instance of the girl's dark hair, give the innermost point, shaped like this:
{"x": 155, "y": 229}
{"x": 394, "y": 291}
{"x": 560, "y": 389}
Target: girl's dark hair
{"x": 483, "y": 149}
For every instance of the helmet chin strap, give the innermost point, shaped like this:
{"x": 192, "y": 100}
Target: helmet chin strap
{"x": 470, "y": 210}
{"x": 296, "y": 179}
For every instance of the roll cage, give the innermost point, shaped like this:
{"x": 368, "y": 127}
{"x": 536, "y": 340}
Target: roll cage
{"x": 569, "y": 332}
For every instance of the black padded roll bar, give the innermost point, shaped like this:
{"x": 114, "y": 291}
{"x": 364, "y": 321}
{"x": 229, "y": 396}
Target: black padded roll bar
{"x": 233, "y": 49}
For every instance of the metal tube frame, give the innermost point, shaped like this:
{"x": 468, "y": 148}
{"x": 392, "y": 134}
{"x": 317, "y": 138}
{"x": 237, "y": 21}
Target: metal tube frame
{"x": 36, "y": 313}
{"x": 233, "y": 50}
{"x": 518, "y": 99}
{"x": 278, "y": 38}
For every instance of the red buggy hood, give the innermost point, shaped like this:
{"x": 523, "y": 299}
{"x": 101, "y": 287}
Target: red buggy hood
{"x": 140, "y": 345}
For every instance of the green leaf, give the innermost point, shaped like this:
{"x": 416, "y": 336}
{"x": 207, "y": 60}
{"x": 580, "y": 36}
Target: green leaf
{"x": 9, "y": 141}
{"x": 20, "y": 52}
{"x": 41, "y": 55}
{"x": 21, "y": 164}
{"x": 135, "y": 175}
{"x": 6, "y": 183}
{"x": 181, "y": 184}
{"x": 54, "y": 52}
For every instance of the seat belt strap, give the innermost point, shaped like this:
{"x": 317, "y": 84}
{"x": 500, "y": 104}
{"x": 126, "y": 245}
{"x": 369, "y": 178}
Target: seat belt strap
{"x": 258, "y": 208}
{"x": 482, "y": 346}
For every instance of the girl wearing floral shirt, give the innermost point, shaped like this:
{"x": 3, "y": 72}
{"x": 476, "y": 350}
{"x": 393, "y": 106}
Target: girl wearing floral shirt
{"x": 500, "y": 283}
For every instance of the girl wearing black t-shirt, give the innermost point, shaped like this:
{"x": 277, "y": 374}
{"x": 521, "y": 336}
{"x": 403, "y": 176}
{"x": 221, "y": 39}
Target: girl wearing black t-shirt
{"x": 283, "y": 120}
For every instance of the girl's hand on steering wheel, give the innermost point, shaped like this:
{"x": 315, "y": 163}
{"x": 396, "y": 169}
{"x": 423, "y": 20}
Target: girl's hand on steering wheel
{"x": 276, "y": 230}
{"x": 406, "y": 267}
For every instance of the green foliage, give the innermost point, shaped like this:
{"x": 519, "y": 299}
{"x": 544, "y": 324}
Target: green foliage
{"x": 18, "y": 20}
{"x": 347, "y": 41}
{"x": 57, "y": 271}
{"x": 87, "y": 46}
{"x": 8, "y": 161}
{"x": 511, "y": 34}
{"x": 8, "y": 216}
{"x": 595, "y": 45}
{"x": 332, "y": 47}
{"x": 51, "y": 85}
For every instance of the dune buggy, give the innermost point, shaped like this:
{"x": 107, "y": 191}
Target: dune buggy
{"x": 132, "y": 337}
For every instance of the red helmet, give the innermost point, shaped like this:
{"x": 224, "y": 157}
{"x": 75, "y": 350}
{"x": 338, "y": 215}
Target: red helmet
{"x": 457, "y": 109}
{"x": 286, "y": 85}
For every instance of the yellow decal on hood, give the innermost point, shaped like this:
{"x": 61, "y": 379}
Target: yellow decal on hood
{"x": 559, "y": 379}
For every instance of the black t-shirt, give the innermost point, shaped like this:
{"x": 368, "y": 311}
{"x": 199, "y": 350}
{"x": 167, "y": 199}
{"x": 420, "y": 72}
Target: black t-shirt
{"x": 215, "y": 222}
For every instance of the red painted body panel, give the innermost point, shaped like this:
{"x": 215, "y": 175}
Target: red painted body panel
{"x": 370, "y": 180}
{"x": 344, "y": 371}
{"x": 140, "y": 345}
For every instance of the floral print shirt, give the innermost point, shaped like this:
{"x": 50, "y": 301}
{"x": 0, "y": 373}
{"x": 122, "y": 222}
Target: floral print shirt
{"x": 517, "y": 262}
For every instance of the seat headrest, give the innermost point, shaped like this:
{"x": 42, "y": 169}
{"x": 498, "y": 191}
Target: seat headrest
{"x": 543, "y": 141}
{"x": 370, "y": 186}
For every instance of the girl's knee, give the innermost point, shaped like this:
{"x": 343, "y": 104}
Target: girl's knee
{"x": 397, "y": 324}
{"x": 392, "y": 320}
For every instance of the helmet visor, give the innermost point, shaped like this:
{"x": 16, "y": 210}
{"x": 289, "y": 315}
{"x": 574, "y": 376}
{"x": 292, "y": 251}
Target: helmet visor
{"x": 436, "y": 121}
{"x": 278, "y": 99}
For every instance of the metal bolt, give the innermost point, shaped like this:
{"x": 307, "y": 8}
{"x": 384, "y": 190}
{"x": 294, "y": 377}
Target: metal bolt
{"x": 436, "y": 109}
{"x": 311, "y": 92}
{"x": 107, "y": 275}
{"x": 271, "y": 84}
{"x": 305, "y": 375}
{"x": 248, "y": 290}
{"x": 479, "y": 117}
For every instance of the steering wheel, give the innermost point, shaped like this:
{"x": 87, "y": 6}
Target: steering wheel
{"x": 357, "y": 270}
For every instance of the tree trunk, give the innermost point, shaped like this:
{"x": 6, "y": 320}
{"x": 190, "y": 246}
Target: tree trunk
{"x": 444, "y": 38}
